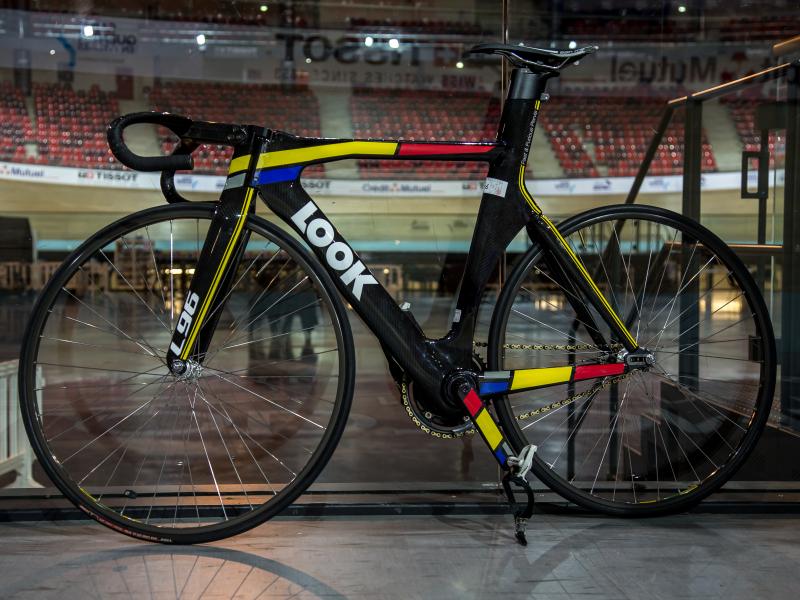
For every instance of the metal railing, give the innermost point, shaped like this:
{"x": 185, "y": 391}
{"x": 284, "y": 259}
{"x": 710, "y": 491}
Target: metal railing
{"x": 16, "y": 455}
{"x": 783, "y": 115}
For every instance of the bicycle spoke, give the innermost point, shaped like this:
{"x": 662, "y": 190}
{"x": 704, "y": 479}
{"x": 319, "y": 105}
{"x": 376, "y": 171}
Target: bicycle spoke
{"x": 135, "y": 293}
{"x": 100, "y": 346}
{"x": 610, "y": 435}
{"x": 188, "y": 453}
{"x": 237, "y": 282}
{"x": 546, "y": 326}
{"x": 224, "y": 406}
{"x": 227, "y": 450}
{"x": 283, "y": 408}
{"x": 117, "y": 329}
{"x": 208, "y": 460}
{"x": 256, "y": 443}
{"x": 644, "y": 289}
{"x": 103, "y": 411}
{"x": 655, "y": 441}
{"x": 157, "y": 270}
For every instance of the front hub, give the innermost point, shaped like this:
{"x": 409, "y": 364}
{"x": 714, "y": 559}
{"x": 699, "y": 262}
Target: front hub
{"x": 186, "y": 370}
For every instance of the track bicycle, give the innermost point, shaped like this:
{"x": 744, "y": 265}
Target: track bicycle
{"x": 188, "y": 371}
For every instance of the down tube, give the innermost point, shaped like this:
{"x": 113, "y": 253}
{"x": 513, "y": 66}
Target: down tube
{"x": 396, "y": 331}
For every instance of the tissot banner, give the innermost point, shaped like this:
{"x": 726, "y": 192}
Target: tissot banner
{"x": 335, "y": 57}
{"x": 372, "y": 187}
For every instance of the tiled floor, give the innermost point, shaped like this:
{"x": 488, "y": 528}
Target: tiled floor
{"x": 688, "y": 556}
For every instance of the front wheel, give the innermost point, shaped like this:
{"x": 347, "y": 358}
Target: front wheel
{"x": 651, "y": 441}
{"x": 215, "y": 451}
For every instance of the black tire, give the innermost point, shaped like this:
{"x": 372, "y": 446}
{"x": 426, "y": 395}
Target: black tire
{"x": 301, "y": 449}
{"x": 566, "y": 479}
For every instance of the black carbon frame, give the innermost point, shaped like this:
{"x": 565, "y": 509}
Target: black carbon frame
{"x": 501, "y": 216}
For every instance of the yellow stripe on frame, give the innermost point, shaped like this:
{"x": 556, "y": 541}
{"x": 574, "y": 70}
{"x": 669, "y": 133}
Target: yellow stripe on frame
{"x": 300, "y": 155}
{"x": 198, "y": 321}
{"x": 531, "y": 378}
{"x": 337, "y": 150}
{"x": 489, "y": 429}
{"x": 239, "y": 164}
{"x": 524, "y": 191}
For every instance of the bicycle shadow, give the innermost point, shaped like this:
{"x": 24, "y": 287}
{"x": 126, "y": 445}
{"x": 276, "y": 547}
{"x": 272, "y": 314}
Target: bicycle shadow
{"x": 171, "y": 572}
{"x": 588, "y": 554}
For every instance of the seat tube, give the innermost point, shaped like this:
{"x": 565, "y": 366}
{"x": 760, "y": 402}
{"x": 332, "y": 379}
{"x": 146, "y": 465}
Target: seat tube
{"x": 521, "y": 110}
{"x": 215, "y": 270}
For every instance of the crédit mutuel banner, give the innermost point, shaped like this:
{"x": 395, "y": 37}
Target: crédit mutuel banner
{"x": 357, "y": 188}
{"x": 172, "y": 50}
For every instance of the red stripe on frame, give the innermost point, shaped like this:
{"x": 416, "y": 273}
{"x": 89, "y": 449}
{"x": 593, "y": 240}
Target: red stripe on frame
{"x": 429, "y": 149}
{"x": 473, "y": 403}
{"x": 592, "y": 371}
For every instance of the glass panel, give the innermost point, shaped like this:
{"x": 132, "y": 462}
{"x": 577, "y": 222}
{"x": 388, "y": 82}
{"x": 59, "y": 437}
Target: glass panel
{"x": 383, "y": 71}
{"x": 309, "y": 68}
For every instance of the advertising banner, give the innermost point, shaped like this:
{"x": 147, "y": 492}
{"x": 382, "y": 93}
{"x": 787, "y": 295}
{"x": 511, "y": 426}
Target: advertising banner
{"x": 599, "y": 186}
{"x": 340, "y": 57}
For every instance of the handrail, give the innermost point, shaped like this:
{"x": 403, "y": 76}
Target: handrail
{"x": 726, "y": 88}
{"x": 716, "y": 91}
{"x": 786, "y": 46}
{"x": 649, "y": 155}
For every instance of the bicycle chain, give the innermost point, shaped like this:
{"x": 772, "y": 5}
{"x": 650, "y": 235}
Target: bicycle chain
{"x": 425, "y": 429}
{"x": 546, "y": 346}
{"x": 552, "y": 406}
{"x": 570, "y": 399}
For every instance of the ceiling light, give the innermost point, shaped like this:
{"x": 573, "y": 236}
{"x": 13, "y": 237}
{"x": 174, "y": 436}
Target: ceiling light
{"x": 459, "y": 65}
{"x": 368, "y": 41}
{"x": 573, "y": 44}
{"x": 393, "y": 43}
{"x": 88, "y": 31}
{"x": 201, "y": 39}
{"x": 681, "y": 9}
{"x": 263, "y": 8}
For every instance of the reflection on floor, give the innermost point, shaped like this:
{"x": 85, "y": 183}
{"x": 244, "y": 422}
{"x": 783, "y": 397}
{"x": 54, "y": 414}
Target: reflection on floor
{"x": 688, "y": 556}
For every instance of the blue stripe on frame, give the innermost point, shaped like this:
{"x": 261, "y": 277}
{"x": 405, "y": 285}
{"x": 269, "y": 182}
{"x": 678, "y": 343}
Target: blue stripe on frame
{"x": 276, "y": 175}
{"x": 501, "y": 456}
{"x": 493, "y": 387}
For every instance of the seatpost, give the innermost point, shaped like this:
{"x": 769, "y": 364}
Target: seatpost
{"x": 521, "y": 109}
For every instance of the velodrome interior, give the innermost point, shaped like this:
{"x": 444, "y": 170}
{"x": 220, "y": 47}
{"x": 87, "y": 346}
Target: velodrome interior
{"x": 395, "y": 70}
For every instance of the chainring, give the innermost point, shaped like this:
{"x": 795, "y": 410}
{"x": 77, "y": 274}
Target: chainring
{"x": 447, "y": 428}
{"x": 430, "y": 423}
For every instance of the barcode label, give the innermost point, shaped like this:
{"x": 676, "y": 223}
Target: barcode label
{"x": 496, "y": 187}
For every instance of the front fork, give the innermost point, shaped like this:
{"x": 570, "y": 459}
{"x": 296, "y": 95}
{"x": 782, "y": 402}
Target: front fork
{"x": 215, "y": 270}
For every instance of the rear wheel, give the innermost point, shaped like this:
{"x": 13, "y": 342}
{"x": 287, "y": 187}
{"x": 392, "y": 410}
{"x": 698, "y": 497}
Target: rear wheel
{"x": 652, "y": 441}
{"x": 211, "y": 453}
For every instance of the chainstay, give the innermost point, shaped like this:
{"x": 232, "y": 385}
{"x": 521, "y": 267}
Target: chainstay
{"x": 541, "y": 410}
{"x": 570, "y": 399}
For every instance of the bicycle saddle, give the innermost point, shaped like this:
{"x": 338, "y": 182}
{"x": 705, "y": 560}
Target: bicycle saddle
{"x": 536, "y": 59}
